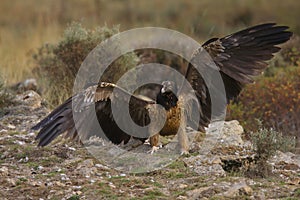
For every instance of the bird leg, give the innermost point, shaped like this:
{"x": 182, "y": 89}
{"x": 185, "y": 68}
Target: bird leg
{"x": 154, "y": 143}
{"x": 183, "y": 142}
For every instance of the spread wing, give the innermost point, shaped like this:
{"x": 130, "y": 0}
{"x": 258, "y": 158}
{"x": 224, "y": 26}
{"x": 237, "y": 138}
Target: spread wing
{"x": 92, "y": 107}
{"x": 239, "y": 57}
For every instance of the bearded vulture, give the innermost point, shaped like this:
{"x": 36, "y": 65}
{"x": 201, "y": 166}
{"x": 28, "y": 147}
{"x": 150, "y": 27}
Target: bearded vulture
{"x": 239, "y": 57}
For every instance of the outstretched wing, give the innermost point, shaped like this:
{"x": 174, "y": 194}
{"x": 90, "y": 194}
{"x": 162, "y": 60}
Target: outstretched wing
{"x": 239, "y": 57}
{"x": 91, "y": 108}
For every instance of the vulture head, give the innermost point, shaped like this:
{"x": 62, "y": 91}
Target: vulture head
{"x": 167, "y": 95}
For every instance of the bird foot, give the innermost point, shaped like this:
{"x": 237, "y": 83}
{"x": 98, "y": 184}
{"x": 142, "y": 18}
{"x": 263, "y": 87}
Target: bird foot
{"x": 153, "y": 149}
{"x": 184, "y": 152}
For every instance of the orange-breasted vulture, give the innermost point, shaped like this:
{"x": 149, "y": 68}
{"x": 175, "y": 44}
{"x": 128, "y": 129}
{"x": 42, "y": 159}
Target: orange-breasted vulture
{"x": 239, "y": 57}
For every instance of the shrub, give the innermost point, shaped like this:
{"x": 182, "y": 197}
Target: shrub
{"x": 274, "y": 100}
{"x": 291, "y": 51}
{"x": 266, "y": 142}
{"x": 57, "y": 64}
{"x": 5, "y": 97}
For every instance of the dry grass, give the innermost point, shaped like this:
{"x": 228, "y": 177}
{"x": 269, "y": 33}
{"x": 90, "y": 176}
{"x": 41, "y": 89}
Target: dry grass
{"x": 26, "y": 25}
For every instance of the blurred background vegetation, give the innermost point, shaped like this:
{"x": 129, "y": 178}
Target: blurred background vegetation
{"x": 27, "y": 25}
{"x": 38, "y": 38}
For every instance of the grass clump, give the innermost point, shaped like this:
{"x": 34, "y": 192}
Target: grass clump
{"x": 56, "y": 65}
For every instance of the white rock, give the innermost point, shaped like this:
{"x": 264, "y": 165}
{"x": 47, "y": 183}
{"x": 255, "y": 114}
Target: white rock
{"x": 3, "y": 171}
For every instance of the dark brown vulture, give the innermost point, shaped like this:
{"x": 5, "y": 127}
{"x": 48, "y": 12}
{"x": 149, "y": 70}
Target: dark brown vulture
{"x": 239, "y": 57}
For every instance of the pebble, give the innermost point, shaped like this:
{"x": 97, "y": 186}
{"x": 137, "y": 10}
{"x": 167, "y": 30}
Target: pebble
{"x": 11, "y": 182}
{"x": 3, "y": 171}
{"x": 10, "y": 126}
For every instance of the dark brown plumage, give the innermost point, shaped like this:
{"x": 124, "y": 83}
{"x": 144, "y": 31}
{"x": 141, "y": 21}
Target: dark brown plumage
{"x": 239, "y": 57}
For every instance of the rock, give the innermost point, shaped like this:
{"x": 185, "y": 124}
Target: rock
{"x": 35, "y": 183}
{"x": 29, "y": 98}
{"x": 222, "y": 144}
{"x": 110, "y": 184}
{"x": 181, "y": 197}
{"x": 209, "y": 165}
{"x": 294, "y": 181}
{"x": 286, "y": 164}
{"x": 10, "y": 126}
{"x": 87, "y": 168}
{"x": 182, "y": 186}
{"x": 11, "y": 182}
{"x": 60, "y": 184}
{"x": 28, "y": 84}
{"x": 227, "y": 133}
{"x": 238, "y": 189}
{"x": 87, "y": 163}
{"x": 100, "y": 166}
{"x": 3, "y": 171}
{"x": 260, "y": 195}
{"x": 288, "y": 161}
{"x": 197, "y": 193}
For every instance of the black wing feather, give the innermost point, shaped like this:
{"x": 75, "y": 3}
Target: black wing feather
{"x": 239, "y": 56}
{"x": 61, "y": 120}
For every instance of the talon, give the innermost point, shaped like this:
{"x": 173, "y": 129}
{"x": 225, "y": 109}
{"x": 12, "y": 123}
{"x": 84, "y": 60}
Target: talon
{"x": 184, "y": 152}
{"x": 154, "y": 149}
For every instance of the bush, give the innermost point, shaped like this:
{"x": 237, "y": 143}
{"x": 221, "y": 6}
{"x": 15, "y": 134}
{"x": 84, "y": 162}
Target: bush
{"x": 57, "y": 64}
{"x": 291, "y": 51}
{"x": 274, "y": 100}
{"x": 266, "y": 142}
{"x": 5, "y": 97}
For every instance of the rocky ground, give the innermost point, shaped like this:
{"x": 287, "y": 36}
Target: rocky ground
{"x": 217, "y": 168}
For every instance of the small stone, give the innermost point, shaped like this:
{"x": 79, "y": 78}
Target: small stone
{"x": 196, "y": 193}
{"x": 31, "y": 134}
{"x": 11, "y": 182}
{"x": 238, "y": 189}
{"x": 182, "y": 186}
{"x": 20, "y": 142}
{"x": 295, "y": 181}
{"x": 101, "y": 166}
{"x": 35, "y": 183}
{"x": 60, "y": 184}
{"x": 10, "y": 126}
{"x": 24, "y": 160}
{"x": 3, "y": 171}
{"x": 77, "y": 187}
{"x": 181, "y": 197}
{"x": 72, "y": 148}
{"x": 291, "y": 166}
{"x": 64, "y": 177}
{"x": 111, "y": 185}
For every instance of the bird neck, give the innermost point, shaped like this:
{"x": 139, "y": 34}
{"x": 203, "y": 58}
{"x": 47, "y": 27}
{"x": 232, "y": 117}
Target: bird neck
{"x": 167, "y": 100}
